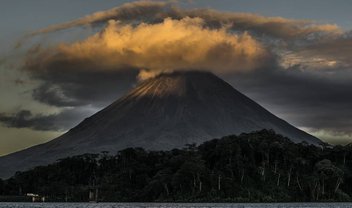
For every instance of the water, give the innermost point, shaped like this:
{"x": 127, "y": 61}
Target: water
{"x": 176, "y": 205}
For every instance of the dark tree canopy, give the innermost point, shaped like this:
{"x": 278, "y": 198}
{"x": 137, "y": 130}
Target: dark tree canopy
{"x": 257, "y": 167}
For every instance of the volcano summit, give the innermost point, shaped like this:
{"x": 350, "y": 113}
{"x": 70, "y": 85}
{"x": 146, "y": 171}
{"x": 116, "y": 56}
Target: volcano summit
{"x": 164, "y": 112}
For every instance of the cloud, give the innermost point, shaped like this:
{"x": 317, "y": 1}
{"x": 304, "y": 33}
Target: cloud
{"x": 127, "y": 35}
{"x": 292, "y": 40}
{"x": 314, "y": 100}
{"x": 335, "y": 53}
{"x": 276, "y": 27}
{"x": 54, "y": 95}
{"x": 332, "y": 136}
{"x": 69, "y": 84}
{"x": 172, "y": 44}
{"x": 58, "y": 122}
{"x": 156, "y": 11}
{"x": 133, "y": 11}
{"x": 106, "y": 64}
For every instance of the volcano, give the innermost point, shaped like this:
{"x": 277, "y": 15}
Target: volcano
{"x": 164, "y": 112}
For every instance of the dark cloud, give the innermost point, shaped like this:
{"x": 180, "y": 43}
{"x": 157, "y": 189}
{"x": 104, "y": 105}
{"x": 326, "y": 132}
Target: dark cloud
{"x": 134, "y": 11}
{"x": 58, "y": 122}
{"x": 311, "y": 99}
{"x": 97, "y": 89}
{"x": 154, "y": 11}
{"x": 71, "y": 82}
{"x": 55, "y": 95}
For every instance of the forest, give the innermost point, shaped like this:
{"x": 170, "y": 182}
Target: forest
{"x": 261, "y": 166}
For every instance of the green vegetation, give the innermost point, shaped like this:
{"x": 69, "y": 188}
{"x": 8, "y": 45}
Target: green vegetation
{"x": 257, "y": 167}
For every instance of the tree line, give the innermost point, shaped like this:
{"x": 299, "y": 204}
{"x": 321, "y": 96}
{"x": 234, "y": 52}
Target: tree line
{"x": 261, "y": 166}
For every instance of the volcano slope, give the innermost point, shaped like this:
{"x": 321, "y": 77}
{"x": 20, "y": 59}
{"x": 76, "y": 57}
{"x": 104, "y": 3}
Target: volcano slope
{"x": 164, "y": 112}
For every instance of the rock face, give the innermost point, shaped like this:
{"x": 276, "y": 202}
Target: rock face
{"x": 164, "y": 112}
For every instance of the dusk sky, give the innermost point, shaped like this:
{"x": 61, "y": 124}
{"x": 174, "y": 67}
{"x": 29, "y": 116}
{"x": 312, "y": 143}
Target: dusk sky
{"x": 61, "y": 62}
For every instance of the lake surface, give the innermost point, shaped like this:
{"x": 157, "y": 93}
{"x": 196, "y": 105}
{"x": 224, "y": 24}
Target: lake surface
{"x": 176, "y": 205}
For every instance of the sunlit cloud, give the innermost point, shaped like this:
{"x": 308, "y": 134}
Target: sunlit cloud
{"x": 169, "y": 45}
{"x": 309, "y": 62}
{"x": 335, "y": 52}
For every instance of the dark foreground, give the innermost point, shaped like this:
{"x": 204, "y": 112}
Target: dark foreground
{"x": 176, "y": 205}
{"x": 256, "y": 167}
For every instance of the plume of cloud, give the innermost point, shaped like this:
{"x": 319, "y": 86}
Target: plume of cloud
{"x": 146, "y": 74}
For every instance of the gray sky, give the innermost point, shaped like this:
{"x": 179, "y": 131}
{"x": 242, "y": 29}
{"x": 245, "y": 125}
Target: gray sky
{"x": 312, "y": 92}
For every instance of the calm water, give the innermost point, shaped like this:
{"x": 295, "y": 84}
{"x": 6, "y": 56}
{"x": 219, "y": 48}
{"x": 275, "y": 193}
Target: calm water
{"x": 170, "y": 205}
